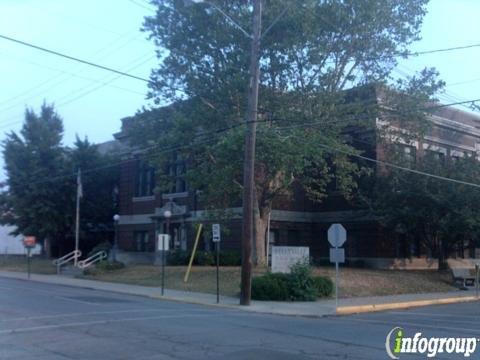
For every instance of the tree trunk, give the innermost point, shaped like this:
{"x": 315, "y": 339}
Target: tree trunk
{"x": 442, "y": 258}
{"x": 261, "y": 223}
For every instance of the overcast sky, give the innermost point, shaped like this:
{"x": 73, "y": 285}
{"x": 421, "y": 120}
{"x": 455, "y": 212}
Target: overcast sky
{"x": 92, "y": 101}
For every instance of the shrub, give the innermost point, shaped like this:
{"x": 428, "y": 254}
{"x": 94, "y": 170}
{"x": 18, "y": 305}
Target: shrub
{"x": 302, "y": 286}
{"x": 105, "y": 265}
{"x": 204, "y": 258}
{"x": 230, "y": 258}
{"x": 178, "y": 257}
{"x": 324, "y": 286}
{"x": 103, "y": 246}
{"x": 299, "y": 285}
{"x": 270, "y": 287}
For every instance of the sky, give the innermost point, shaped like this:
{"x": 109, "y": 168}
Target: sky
{"x": 92, "y": 102}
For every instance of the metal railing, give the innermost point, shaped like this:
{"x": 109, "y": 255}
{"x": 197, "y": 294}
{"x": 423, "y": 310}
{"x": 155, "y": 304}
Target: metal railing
{"x": 99, "y": 256}
{"x": 72, "y": 256}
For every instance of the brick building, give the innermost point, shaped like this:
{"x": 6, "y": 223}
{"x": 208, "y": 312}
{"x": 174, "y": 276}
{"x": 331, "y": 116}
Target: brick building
{"x": 298, "y": 221}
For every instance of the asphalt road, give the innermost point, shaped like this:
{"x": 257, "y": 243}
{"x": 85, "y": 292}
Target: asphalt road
{"x": 42, "y": 321}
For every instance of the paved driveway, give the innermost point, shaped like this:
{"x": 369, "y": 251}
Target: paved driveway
{"x": 44, "y": 321}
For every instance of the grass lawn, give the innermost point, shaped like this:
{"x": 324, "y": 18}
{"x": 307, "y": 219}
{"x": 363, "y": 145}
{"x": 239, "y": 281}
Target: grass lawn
{"x": 19, "y": 263}
{"x": 367, "y": 282}
{"x": 202, "y": 278}
{"x": 353, "y": 282}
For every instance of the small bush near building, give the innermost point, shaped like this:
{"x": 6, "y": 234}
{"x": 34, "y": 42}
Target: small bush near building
{"x": 271, "y": 287}
{"x": 103, "y": 246}
{"x": 230, "y": 258}
{"x": 299, "y": 285}
{"x": 302, "y": 286}
{"x": 324, "y": 286}
{"x": 109, "y": 266}
{"x": 178, "y": 258}
{"x": 204, "y": 258}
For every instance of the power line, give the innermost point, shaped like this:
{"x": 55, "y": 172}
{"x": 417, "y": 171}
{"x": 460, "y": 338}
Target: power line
{"x": 52, "y": 52}
{"x": 398, "y": 167}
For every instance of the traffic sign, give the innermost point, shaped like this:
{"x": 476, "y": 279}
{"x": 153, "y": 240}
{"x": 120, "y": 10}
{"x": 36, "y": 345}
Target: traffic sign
{"x": 337, "y": 255}
{"x": 163, "y": 243}
{"x": 337, "y": 235}
{"x": 29, "y": 241}
{"x": 216, "y": 232}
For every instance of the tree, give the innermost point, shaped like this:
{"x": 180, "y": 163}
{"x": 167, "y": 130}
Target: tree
{"x": 37, "y": 193}
{"x": 444, "y": 215}
{"x": 314, "y": 51}
{"x": 99, "y": 181}
{"x": 40, "y": 192}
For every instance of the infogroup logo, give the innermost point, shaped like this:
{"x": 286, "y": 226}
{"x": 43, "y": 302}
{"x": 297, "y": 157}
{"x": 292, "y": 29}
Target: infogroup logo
{"x": 397, "y": 343}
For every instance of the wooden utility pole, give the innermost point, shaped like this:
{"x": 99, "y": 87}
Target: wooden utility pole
{"x": 249, "y": 163}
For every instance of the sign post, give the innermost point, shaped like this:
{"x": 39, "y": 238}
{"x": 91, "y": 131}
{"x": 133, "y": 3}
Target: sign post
{"x": 216, "y": 240}
{"x": 29, "y": 242}
{"x": 337, "y": 235}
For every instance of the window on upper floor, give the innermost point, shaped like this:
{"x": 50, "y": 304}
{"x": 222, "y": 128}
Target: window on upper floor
{"x": 407, "y": 153}
{"x": 145, "y": 181}
{"x": 176, "y": 170}
{"x": 436, "y": 155}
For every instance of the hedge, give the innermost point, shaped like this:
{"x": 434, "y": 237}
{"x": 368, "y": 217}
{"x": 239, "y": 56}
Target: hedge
{"x": 204, "y": 258}
{"x": 299, "y": 285}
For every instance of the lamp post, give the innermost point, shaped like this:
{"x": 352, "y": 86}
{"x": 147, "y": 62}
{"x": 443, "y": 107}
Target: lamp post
{"x": 116, "y": 218}
{"x": 167, "y": 214}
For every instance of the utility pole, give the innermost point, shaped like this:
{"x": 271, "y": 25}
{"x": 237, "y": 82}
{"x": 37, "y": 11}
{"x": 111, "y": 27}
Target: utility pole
{"x": 249, "y": 162}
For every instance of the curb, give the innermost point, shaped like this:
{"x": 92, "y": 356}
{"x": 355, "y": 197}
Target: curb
{"x": 349, "y": 310}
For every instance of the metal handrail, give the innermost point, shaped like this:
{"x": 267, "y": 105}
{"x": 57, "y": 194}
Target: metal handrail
{"x": 99, "y": 256}
{"x": 75, "y": 254}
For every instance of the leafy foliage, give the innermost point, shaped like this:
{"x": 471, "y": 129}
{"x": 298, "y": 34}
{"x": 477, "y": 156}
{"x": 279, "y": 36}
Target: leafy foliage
{"x": 204, "y": 258}
{"x": 442, "y": 214}
{"x": 315, "y": 51}
{"x": 298, "y": 285}
{"x": 270, "y": 286}
{"x": 324, "y": 286}
{"x": 40, "y": 192}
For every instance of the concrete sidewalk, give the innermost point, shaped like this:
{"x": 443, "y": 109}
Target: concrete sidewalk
{"x": 313, "y": 309}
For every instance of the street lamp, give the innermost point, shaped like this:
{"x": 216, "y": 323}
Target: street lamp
{"x": 116, "y": 219}
{"x": 167, "y": 214}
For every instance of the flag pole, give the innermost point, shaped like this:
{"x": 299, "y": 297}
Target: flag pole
{"x": 77, "y": 218}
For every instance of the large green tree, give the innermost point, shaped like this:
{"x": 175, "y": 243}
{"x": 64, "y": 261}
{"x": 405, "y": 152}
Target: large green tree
{"x": 36, "y": 194}
{"x": 314, "y": 51}
{"x": 443, "y": 214}
{"x": 40, "y": 191}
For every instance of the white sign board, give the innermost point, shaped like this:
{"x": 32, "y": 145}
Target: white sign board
{"x": 215, "y": 232}
{"x": 284, "y": 257}
{"x": 337, "y": 235}
{"x": 163, "y": 242}
{"x": 337, "y": 255}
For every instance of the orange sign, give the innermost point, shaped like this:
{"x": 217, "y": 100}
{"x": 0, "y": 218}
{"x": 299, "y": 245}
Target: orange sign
{"x": 29, "y": 241}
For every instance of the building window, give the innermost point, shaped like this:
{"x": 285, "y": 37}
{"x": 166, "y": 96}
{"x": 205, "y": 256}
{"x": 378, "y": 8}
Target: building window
{"x": 142, "y": 239}
{"x": 176, "y": 170}
{"x": 293, "y": 237}
{"x": 145, "y": 181}
{"x": 436, "y": 155}
{"x": 406, "y": 152}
